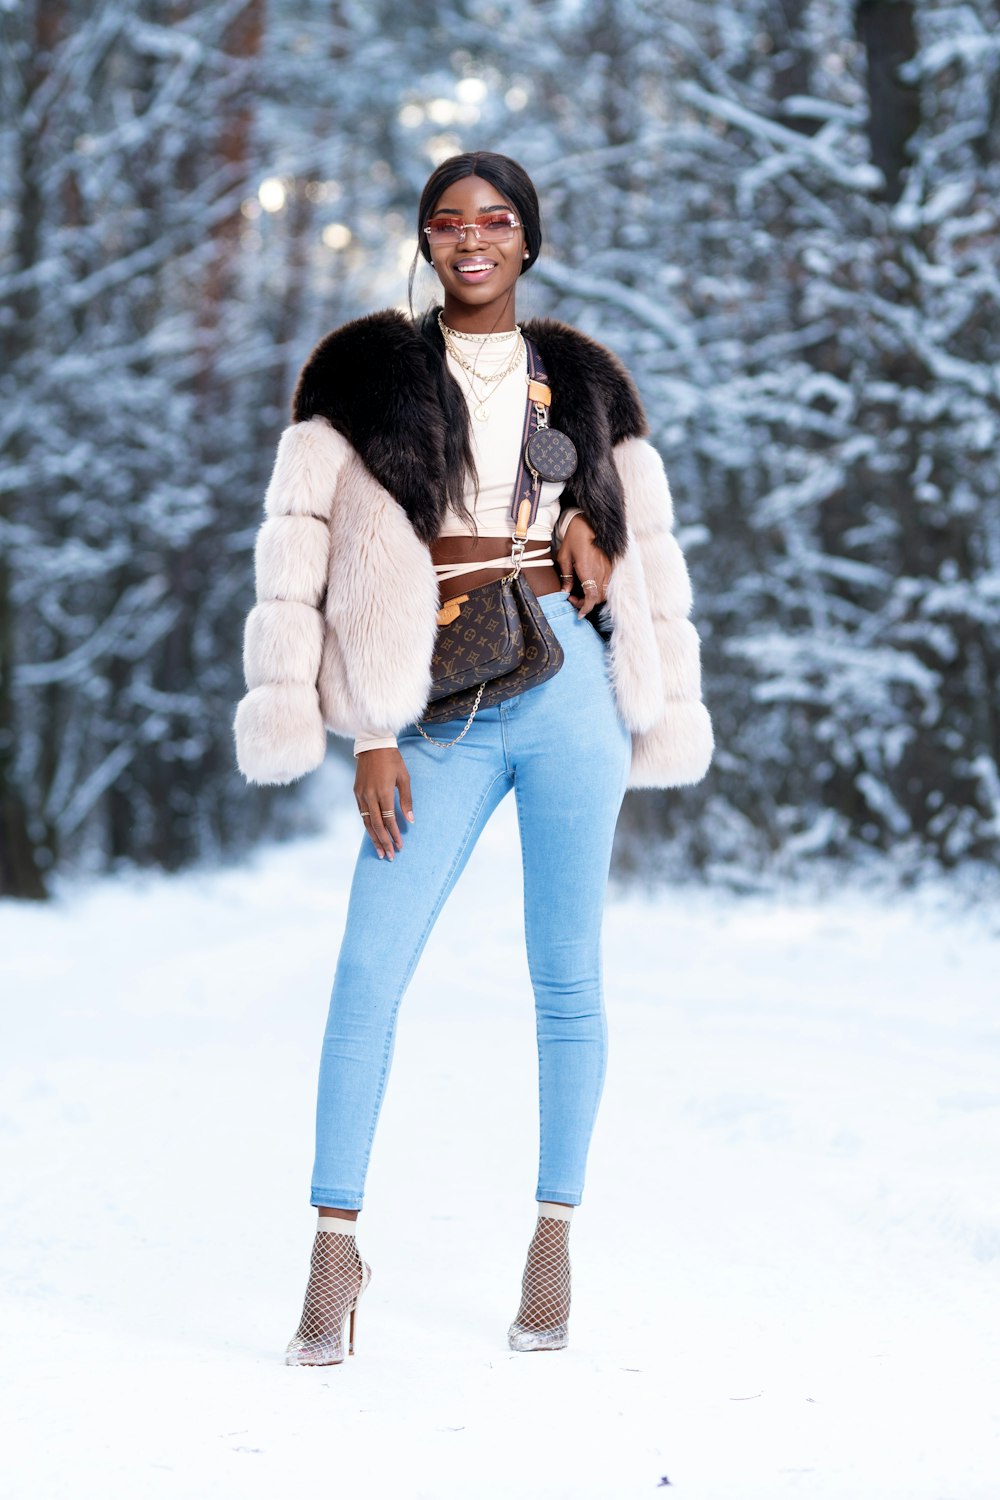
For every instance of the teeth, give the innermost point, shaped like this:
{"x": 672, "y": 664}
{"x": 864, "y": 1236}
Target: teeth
{"x": 476, "y": 265}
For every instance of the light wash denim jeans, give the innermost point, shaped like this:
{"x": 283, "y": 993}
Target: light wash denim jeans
{"x": 563, "y": 749}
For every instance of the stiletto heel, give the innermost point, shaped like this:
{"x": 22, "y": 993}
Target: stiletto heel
{"x": 337, "y": 1278}
{"x": 543, "y": 1316}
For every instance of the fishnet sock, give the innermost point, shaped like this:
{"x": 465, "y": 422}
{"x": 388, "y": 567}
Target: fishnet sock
{"x": 337, "y": 1277}
{"x": 542, "y": 1318}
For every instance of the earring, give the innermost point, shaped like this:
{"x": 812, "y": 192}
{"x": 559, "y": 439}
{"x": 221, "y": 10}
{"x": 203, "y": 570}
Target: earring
{"x": 525, "y": 255}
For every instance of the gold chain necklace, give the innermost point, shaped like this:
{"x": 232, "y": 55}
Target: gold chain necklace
{"x": 486, "y": 379}
{"x": 480, "y": 411}
{"x": 477, "y": 338}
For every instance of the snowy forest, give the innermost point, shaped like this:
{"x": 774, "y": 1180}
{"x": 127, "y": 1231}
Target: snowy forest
{"x": 782, "y": 214}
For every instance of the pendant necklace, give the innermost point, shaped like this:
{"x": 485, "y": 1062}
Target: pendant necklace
{"x": 480, "y": 410}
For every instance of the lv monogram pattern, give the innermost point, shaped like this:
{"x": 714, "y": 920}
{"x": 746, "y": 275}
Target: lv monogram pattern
{"x": 501, "y": 638}
{"x": 484, "y": 640}
{"x": 551, "y": 454}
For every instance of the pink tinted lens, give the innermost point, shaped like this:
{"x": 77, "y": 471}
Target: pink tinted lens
{"x": 495, "y": 226}
{"x": 444, "y": 229}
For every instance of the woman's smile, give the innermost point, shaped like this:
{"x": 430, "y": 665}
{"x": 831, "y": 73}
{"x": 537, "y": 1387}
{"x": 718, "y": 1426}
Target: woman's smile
{"x": 474, "y": 268}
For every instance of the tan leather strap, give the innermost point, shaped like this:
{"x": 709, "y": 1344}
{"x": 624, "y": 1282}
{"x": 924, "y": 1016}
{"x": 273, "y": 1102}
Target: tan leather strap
{"x": 528, "y": 486}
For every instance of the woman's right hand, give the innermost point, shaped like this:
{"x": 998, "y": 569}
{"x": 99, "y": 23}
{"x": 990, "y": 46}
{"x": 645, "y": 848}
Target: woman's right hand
{"x": 377, "y": 776}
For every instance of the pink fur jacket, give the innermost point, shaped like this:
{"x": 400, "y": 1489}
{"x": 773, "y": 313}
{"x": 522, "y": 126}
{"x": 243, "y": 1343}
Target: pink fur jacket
{"x": 343, "y": 628}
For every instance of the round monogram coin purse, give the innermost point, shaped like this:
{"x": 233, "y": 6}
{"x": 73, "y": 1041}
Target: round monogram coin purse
{"x": 551, "y": 455}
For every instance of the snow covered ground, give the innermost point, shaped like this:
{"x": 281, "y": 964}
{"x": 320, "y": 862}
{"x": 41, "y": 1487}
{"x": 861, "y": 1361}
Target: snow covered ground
{"x": 786, "y": 1266}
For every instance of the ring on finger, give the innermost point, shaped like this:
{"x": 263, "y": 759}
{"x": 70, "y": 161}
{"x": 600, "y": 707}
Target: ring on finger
{"x": 588, "y": 583}
{"x": 387, "y": 813}
{"x": 366, "y": 815}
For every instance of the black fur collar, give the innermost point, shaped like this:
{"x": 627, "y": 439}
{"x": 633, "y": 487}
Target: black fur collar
{"x": 376, "y": 381}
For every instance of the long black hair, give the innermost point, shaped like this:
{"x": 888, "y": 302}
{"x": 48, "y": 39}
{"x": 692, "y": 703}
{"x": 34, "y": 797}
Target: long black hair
{"x": 513, "y": 183}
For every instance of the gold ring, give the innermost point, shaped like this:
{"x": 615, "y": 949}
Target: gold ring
{"x": 589, "y": 583}
{"x": 387, "y": 813}
{"x": 365, "y": 815}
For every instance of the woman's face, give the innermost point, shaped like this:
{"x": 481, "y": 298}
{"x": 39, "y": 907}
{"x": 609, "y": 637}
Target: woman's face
{"x": 478, "y": 275}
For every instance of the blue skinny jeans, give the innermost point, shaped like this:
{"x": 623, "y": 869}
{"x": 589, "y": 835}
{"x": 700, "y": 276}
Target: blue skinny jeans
{"x": 565, "y": 753}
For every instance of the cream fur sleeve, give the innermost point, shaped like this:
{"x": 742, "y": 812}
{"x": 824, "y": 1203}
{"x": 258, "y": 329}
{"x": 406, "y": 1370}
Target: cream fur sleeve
{"x": 279, "y": 729}
{"x": 672, "y": 741}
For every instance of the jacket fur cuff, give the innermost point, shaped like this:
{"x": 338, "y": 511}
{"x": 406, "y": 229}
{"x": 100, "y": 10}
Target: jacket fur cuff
{"x": 677, "y": 752}
{"x": 280, "y": 734}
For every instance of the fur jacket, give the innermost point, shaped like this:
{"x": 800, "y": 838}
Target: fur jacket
{"x": 343, "y": 628}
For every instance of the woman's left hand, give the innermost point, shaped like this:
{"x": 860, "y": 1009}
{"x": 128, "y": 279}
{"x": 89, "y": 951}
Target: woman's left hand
{"x": 581, "y": 555}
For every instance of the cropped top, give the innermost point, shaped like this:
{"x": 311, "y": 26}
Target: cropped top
{"x": 496, "y": 445}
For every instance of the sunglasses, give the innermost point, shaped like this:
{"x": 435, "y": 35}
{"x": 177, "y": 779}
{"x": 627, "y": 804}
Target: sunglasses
{"x": 495, "y": 227}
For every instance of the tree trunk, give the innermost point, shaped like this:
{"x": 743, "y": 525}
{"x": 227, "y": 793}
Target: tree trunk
{"x": 887, "y": 29}
{"x": 28, "y": 40}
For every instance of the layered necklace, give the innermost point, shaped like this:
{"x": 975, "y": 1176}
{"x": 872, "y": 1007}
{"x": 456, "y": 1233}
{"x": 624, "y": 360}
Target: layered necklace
{"x": 451, "y": 336}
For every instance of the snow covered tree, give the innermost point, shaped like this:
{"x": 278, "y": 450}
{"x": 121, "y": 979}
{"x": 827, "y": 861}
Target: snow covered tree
{"x": 805, "y": 285}
{"x": 781, "y": 213}
{"x": 128, "y": 389}
{"x": 856, "y": 412}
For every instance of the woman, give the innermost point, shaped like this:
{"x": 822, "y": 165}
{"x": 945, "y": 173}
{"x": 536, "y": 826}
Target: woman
{"x": 391, "y": 494}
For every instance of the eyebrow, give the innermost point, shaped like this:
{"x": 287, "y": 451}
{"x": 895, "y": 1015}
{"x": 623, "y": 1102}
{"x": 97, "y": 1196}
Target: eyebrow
{"x": 488, "y": 208}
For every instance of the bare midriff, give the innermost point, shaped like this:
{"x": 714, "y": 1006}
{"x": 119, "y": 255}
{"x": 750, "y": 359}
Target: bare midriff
{"x": 459, "y": 549}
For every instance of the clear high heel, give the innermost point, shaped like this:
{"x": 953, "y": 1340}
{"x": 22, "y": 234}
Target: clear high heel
{"x": 337, "y": 1278}
{"x": 543, "y": 1316}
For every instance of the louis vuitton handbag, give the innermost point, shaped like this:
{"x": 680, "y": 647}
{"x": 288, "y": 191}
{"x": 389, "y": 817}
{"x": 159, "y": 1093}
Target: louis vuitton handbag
{"x": 494, "y": 642}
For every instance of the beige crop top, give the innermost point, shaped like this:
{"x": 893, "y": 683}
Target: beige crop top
{"x": 496, "y": 448}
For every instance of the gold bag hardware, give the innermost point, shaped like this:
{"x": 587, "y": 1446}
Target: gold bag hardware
{"x": 451, "y": 609}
